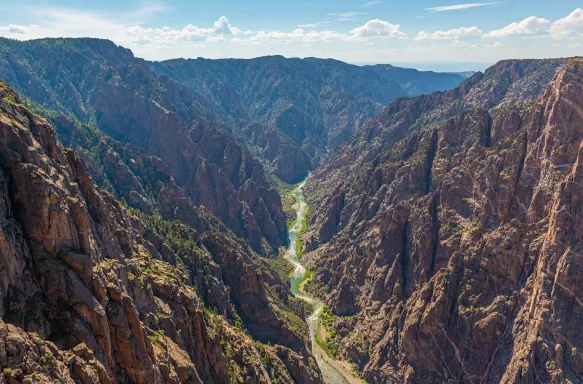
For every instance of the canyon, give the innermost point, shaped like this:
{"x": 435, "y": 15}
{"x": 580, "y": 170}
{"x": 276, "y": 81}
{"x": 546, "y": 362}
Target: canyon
{"x": 446, "y": 236}
{"x": 280, "y": 220}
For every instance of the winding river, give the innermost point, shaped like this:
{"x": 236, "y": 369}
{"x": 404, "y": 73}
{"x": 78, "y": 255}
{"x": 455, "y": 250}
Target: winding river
{"x": 331, "y": 374}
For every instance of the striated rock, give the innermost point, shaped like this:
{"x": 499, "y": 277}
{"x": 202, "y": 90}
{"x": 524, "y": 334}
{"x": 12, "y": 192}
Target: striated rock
{"x": 449, "y": 227}
{"x": 150, "y": 115}
{"x": 289, "y": 162}
{"x": 93, "y": 292}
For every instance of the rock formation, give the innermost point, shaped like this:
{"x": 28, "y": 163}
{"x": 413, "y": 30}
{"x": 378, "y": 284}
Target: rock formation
{"x": 447, "y": 233}
{"x": 94, "y": 292}
{"x": 103, "y": 91}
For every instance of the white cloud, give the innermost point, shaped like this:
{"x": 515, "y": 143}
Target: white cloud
{"x": 223, "y": 26}
{"x": 190, "y": 33}
{"x": 458, "y": 7}
{"x": 568, "y": 27}
{"x": 313, "y": 25}
{"x": 324, "y": 36}
{"x": 12, "y": 28}
{"x": 378, "y": 28}
{"x": 375, "y": 40}
{"x": 347, "y": 14}
{"x": 296, "y": 34}
{"x": 496, "y": 45}
{"x": 460, "y": 33}
{"x": 372, "y": 29}
{"x": 70, "y": 22}
{"x": 370, "y": 3}
{"x": 67, "y": 22}
{"x": 311, "y": 36}
{"x": 529, "y": 26}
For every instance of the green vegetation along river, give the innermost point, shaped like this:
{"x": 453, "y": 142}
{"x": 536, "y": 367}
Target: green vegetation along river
{"x": 331, "y": 374}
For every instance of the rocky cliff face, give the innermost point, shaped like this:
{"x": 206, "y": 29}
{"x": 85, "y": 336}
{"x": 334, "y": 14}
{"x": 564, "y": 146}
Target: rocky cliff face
{"x": 447, "y": 233}
{"x": 93, "y": 292}
{"x": 318, "y": 104}
{"x": 288, "y": 161}
{"x": 94, "y": 83}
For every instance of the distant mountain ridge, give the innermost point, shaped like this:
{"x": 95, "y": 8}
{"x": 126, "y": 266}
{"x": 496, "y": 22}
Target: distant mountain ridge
{"x": 416, "y": 82}
{"x": 218, "y": 128}
{"x": 318, "y": 103}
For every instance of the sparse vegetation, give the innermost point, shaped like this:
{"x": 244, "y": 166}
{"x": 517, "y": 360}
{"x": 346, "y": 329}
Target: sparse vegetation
{"x": 299, "y": 248}
{"x": 307, "y": 276}
{"x": 283, "y": 267}
{"x": 157, "y": 338}
{"x": 327, "y": 344}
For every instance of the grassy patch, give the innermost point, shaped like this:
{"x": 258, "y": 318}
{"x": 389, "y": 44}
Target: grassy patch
{"x": 299, "y": 248}
{"x": 327, "y": 319}
{"x": 157, "y": 338}
{"x": 305, "y": 220}
{"x": 326, "y": 346}
{"x": 457, "y": 228}
{"x": 287, "y": 200}
{"x": 307, "y": 276}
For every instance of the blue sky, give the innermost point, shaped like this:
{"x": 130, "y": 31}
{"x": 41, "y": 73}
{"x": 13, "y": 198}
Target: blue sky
{"x": 348, "y": 30}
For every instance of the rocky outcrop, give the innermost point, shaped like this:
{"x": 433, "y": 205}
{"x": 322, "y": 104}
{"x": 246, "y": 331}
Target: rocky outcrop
{"x": 93, "y": 292}
{"x": 448, "y": 232}
{"x": 117, "y": 95}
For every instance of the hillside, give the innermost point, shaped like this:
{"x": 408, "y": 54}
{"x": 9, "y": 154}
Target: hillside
{"x": 92, "y": 291}
{"x": 103, "y": 100}
{"x": 210, "y": 136}
{"x": 317, "y": 103}
{"x": 446, "y": 234}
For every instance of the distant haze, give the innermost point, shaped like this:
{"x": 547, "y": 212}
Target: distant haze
{"x": 440, "y": 66}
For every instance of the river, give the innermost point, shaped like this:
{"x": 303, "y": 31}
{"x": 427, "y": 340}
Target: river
{"x": 331, "y": 374}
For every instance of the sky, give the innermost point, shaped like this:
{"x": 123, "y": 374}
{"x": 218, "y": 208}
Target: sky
{"x": 365, "y": 31}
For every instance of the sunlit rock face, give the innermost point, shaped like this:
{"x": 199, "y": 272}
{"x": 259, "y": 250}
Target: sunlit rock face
{"x": 92, "y": 291}
{"x": 449, "y": 231}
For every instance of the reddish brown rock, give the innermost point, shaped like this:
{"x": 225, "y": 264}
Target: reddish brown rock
{"x": 450, "y": 227}
{"x": 115, "y": 295}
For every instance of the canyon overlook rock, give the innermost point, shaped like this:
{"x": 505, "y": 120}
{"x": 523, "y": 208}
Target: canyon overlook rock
{"x": 95, "y": 292}
{"x": 448, "y": 233}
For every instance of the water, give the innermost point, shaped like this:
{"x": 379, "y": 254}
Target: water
{"x": 331, "y": 374}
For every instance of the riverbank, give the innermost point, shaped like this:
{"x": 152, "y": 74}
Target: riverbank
{"x": 334, "y": 371}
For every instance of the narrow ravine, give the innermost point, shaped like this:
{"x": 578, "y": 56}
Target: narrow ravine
{"x": 332, "y": 374}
